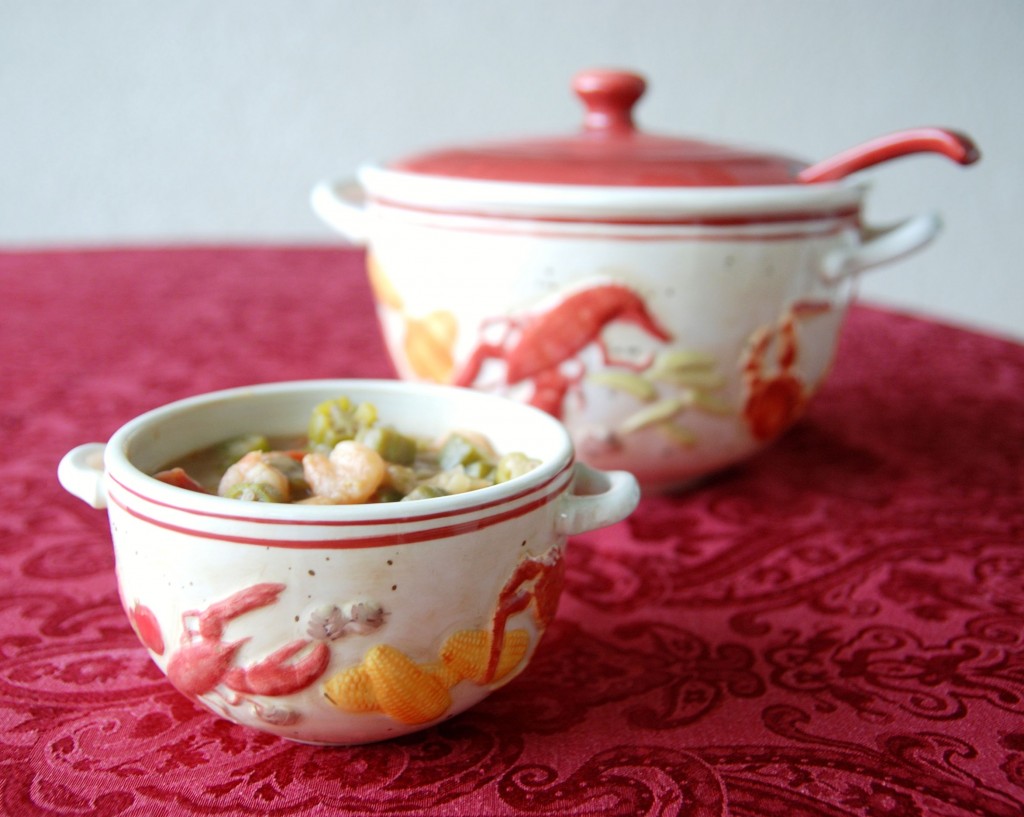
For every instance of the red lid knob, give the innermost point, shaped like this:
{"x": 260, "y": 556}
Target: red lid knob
{"x": 609, "y": 97}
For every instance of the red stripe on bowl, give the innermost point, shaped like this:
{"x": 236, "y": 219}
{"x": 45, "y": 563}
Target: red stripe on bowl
{"x": 383, "y": 540}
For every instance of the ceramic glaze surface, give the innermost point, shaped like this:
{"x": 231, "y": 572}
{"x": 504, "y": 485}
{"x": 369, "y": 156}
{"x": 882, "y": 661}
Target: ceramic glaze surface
{"x": 646, "y": 340}
{"x": 300, "y": 632}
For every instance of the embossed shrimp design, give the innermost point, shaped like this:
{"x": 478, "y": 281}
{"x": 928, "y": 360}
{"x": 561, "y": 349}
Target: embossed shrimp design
{"x": 536, "y": 345}
{"x": 204, "y": 660}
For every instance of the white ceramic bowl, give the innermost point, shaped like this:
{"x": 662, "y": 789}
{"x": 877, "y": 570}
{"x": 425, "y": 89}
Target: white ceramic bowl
{"x": 342, "y": 624}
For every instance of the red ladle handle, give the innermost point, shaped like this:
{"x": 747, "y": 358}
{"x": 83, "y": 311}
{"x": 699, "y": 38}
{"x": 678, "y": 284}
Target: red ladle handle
{"x": 957, "y": 146}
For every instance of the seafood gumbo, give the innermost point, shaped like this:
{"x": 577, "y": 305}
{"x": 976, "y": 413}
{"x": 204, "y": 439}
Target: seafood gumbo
{"x": 347, "y": 457}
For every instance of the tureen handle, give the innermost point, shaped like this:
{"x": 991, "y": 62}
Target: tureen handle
{"x": 342, "y": 206}
{"x": 880, "y": 245}
{"x": 596, "y": 499}
{"x": 80, "y": 472}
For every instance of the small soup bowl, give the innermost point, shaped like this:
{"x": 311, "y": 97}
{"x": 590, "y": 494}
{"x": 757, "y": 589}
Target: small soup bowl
{"x": 342, "y": 624}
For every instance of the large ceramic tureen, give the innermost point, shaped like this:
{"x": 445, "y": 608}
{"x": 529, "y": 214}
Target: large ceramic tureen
{"x": 674, "y": 302}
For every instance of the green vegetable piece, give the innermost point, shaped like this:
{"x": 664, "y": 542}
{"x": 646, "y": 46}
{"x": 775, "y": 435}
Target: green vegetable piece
{"x": 392, "y": 446}
{"x": 513, "y": 465}
{"x": 424, "y": 492}
{"x": 231, "y": 451}
{"x": 456, "y": 451}
{"x": 254, "y": 492}
{"x": 387, "y": 494}
{"x": 336, "y": 420}
{"x": 479, "y": 469}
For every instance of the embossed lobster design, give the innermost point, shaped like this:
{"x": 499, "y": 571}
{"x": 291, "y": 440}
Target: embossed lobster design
{"x": 537, "y": 581}
{"x": 536, "y": 345}
{"x": 204, "y": 660}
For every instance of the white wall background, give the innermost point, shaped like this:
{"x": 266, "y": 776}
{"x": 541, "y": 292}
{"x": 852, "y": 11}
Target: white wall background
{"x": 193, "y": 121}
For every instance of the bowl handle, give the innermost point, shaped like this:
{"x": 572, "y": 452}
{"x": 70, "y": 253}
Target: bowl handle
{"x": 880, "y": 245}
{"x": 596, "y": 499}
{"x": 342, "y": 205}
{"x": 81, "y": 473}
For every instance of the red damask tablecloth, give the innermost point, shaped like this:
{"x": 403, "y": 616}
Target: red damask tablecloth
{"x": 834, "y": 628}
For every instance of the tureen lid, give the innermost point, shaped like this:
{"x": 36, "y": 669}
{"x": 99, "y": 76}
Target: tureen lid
{"x": 609, "y": 150}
